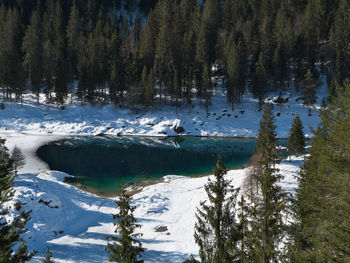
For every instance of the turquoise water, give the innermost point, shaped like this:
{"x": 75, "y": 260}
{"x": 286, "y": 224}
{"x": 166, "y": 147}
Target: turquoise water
{"x": 104, "y": 163}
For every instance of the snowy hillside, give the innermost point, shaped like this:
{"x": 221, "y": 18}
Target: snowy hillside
{"x": 74, "y": 224}
{"x": 220, "y": 120}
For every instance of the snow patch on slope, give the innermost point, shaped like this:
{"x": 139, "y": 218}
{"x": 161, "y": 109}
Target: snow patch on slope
{"x": 219, "y": 120}
{"x": 74, "y": 224}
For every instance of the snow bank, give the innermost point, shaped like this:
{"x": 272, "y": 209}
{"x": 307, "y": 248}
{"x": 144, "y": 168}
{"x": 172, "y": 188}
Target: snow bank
{"x": 219, "y": 120}
{"x": 74, "y": 223}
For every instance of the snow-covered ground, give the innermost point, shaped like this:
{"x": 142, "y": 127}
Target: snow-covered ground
{"x": 220, "y": 120}
{"x": 74, "y": 224}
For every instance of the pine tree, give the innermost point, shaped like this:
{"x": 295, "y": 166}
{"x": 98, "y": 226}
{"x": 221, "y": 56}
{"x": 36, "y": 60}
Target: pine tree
{"x": 32, "y": 47}
{"x": 18, "y": 159}
{"x": 117, "y": 78}
{"x": 268, "y": 204}
{"x": 321, "y": 211}
{"x": 137, "y": 27}
{"x": 339, "y": 39}
{"x": 216, "y": 231}
{"x": 73, "y": 27}
{"x": 206, "y": 86}
{"x": 283, "y": 32}
{"x": 309, "y": 90}
{"x": 147, "y": 85}
{"x": 296, "y": 140}
{"x": 260, "y": 79}
{"x": 207, "y": 34}
{"x": 235, "y": 67}
{"x": 245, "y": 246}
{"x": 48, "y": 256}
{"x": 267, "y": 127}
{"x": 13, "y": 248}
{"x": 314, "y": 15}
{"x": 125, "y": 248}
{"x": 11, "y": 70}
{"x": 73, "y": 33}
{"x": 61, "y": 74}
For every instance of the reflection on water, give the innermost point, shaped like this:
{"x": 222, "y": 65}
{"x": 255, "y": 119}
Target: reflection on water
{"x": 103, "y": 163}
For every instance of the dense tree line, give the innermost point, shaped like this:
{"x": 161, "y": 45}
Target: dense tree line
{"x": 137, "y": 52}
{"x": 321, "y": 212}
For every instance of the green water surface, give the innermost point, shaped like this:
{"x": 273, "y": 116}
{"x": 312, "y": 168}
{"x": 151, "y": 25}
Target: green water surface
{"x": 104, "y": 163}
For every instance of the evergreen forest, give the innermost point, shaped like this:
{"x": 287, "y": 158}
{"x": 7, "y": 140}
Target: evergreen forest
{"x": 168, "y": 51}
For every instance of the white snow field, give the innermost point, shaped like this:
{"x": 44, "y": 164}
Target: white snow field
{"x": 32, "y": 118}
{"x": 74, "y": 224}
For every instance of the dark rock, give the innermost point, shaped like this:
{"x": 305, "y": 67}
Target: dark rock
{"x": 179, "y": 129}
{"x": 236, "y": 116}
{"x": 68, "y": 179}
{"x": 281, "y": 100}
{"x": 128, "y": 185}
{"x": 161, "y": 229}
{"x": 242, "y": 111}
{"x": 278, "y": 114}
{"x": 47, "y": 203}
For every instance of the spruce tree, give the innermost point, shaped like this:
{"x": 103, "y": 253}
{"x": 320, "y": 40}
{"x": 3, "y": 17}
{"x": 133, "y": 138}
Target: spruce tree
{"x": 18, "y": 159}
{"x": 340, "y": 39}
{"x": 245, "y": 247}
{"x": 268, "y": 204}
{"x": 32, "y": 47}
{"x": 125, "y": 248}
{"x": 11, "y": 70}
{"x": 73, "y": 33}
{"x": 48, "y": 256}
{"x": 322, "y": 207}
{"x": 296, "y": 140}
{"x": 235, "y": 68}
{"x": 13, "y": 248}
{"x": 267, "y": 127}
{"x": 216, "y": 231}
{"x": 314, "y": 15}
{"x": 309, "y": 90}
{"x": 260, "y": 79}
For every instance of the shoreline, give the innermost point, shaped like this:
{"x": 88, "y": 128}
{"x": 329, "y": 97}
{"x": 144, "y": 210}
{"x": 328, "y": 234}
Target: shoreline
{"x": 135, "y": 187}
